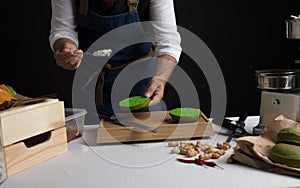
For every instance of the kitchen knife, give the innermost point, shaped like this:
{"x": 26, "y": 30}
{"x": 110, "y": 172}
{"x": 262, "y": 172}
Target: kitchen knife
{"x": 127, "y": 123}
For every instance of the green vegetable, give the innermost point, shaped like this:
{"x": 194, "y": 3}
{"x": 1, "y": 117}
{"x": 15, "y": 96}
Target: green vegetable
{"x": 134, "y": 103}
{"x": 185, "y": 114}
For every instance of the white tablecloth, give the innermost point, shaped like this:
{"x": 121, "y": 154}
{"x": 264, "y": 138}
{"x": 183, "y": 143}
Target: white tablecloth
{"x": 145, "y": 165}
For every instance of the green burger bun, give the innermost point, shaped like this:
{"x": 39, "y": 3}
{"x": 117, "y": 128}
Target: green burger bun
{"x": 288, "y": 154}
{"x": 289, "y": 135}
{"x": 185, "y": 114}
{"x": 134, "y": 103}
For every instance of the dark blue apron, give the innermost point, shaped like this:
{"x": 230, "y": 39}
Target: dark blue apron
{"x": 91, "y": 27}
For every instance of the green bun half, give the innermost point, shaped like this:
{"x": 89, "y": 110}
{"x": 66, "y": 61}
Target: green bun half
{"x": 185, "y": 114}
{"x": 287, "y": 154}
{"x": 289, "y": 135}
{"x": 134, "y": 103}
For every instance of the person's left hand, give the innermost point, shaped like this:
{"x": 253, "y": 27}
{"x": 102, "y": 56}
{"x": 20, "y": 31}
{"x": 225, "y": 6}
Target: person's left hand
{"x": 155, "y": 90}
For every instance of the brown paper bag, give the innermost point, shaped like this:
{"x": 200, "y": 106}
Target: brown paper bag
{"x": 9, "y": 100}
{"x": 23, "y": 100}
{"x": 254, "y": 150}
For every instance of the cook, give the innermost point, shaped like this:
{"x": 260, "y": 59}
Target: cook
{"x": 75, "y": 25}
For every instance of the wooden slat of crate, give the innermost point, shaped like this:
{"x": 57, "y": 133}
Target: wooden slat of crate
{"x": 18, "y": 157}
{"x": 109, "y": 132}
{"x": 23, "y": 122}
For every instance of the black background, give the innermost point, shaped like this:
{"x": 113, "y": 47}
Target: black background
{"x": 244, "y": 36}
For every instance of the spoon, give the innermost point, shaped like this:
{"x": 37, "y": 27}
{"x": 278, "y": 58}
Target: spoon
{"x": 97, "y": 53}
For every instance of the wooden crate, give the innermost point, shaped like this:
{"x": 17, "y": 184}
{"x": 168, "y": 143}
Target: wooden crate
{"x": 110, "y": 132}
{"x": 32, "y": 134}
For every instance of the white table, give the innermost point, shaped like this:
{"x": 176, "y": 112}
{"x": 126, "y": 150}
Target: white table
{"x": 140, "y": 165}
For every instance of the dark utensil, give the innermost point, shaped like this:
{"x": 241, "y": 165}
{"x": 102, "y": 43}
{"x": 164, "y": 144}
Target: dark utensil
{"x": 237, "y": 128}
{"x": 127, "y": 123}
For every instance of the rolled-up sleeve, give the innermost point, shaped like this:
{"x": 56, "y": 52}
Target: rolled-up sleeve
{"x": 63, "y": 22}
{"x": 166, "y": 37}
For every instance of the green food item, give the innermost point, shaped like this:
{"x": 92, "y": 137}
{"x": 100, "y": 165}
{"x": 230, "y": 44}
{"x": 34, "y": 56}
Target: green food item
{"x": 185, "y": 114}
{"x": 288, "y": 154}
{"x": 289, "y": 135}
{"x": 134, "y": 103}
{"x": 11, "y": 90}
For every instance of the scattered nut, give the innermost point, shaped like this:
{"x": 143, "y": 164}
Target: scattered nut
{"x": 191, "y": 153}
{"x": 204, "y": 147}
{"x": 191, "y": 149}
{"x": 198, "y": 149}
{"x": 182, "y": 144}
{"x": 175, "y": 150}
{"x": 205, "y": 156}
{"x": 236, "y": 148}
{"x": 173, "y": 144}
{"x": 183, "y": 151}
{"x": 215, "y": 156}
{"x": 227, "y": 144}
{"x": 230, "y": 160}
{"x": 224, "y": 146}
{"x": 221, "y": 152}
{"x": 210, "y": 150}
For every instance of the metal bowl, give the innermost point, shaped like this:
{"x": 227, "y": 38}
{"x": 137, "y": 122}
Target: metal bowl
{"x": 278, "y": 79}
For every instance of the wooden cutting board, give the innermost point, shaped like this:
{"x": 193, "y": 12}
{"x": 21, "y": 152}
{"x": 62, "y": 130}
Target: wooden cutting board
{"x": 110, "y": 132}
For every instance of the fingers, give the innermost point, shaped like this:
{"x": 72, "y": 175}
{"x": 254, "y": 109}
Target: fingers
{"x": 67, "y": 59}
{"x": 154, "y": 101}
{"x": 155, "y": 90}
{"x": 70, "y": 66}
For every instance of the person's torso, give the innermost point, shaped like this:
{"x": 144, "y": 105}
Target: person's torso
{"x": 119, "y": 7}
{"x": 100, "y": 20}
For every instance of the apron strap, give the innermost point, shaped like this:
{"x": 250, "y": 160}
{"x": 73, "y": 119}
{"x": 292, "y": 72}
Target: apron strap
{"x": 83, "y": 7}
{"x": 133, "y": 4}
{"x": 107, "y": 68}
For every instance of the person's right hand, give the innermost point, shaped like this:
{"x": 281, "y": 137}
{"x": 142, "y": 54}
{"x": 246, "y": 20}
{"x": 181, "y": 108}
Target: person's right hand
{"x": 67, "y": 55}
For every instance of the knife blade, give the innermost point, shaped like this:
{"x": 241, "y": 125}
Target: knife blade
{"x": 128, "y": 123}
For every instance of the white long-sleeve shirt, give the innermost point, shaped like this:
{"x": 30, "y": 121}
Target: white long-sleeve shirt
{"x": 167, "y": 39}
